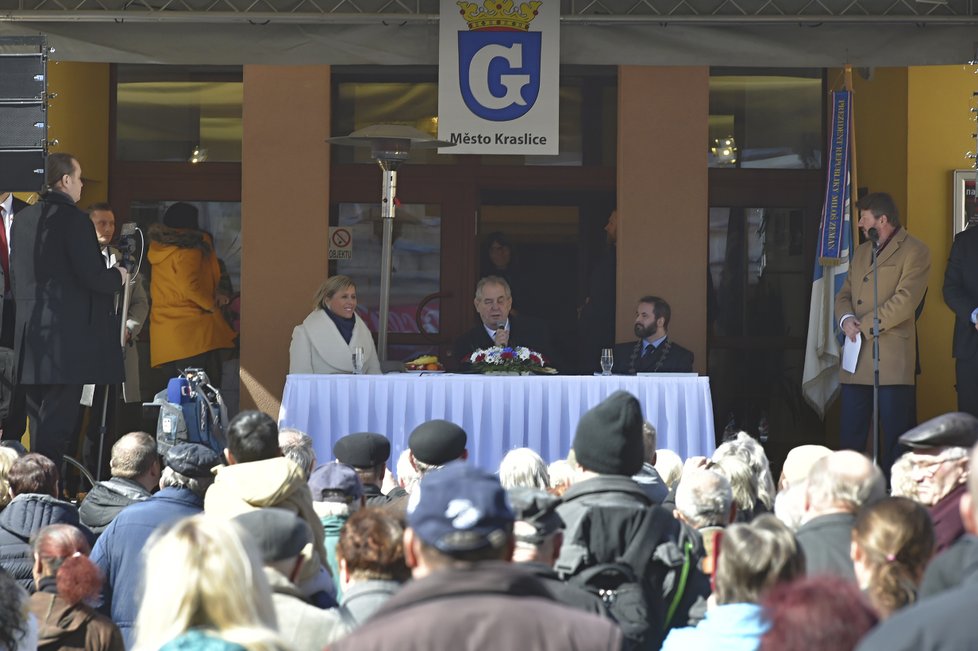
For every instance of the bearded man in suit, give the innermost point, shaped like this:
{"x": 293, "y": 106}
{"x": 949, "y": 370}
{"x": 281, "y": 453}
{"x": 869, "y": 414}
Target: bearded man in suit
{"x": 654, "y": 352}
{"x": 903, "y": 262}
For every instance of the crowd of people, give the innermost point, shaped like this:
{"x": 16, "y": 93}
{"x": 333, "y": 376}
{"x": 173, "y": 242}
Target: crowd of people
{"x": 265, "y": 547}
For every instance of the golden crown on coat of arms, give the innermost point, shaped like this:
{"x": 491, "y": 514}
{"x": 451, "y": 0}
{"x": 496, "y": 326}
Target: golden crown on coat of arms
{"x": 499, "y": 15}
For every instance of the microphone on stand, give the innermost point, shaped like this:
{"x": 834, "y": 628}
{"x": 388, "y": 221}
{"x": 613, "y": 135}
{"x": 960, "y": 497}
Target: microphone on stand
{"x": 874, "y": 237}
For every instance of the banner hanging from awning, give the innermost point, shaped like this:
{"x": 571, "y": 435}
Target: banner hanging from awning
{"x": 823, "y": 349}
{"x": 499, "y": 76}
{"x": 836, "y": 206}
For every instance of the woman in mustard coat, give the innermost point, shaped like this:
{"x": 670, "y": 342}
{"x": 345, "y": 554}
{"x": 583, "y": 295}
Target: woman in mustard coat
{"x": 186, "y": 326}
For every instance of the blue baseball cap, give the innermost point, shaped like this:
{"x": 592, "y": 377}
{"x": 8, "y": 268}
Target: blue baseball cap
{"x": 460, "y": 508}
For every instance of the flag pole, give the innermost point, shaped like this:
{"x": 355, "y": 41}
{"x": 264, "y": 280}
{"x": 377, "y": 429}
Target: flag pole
{"x": 854, "y": 212}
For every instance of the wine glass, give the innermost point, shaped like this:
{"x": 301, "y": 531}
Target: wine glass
{"x": 358, "y": 360}
{"x": 607, "y": 361}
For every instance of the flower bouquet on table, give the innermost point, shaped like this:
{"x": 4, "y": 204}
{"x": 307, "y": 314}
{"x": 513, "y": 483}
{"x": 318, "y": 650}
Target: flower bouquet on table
{"x": 509, "y": 361}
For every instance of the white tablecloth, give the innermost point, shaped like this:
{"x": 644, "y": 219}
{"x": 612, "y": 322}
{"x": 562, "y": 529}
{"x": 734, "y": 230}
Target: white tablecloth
{"x": 498, "y": 413}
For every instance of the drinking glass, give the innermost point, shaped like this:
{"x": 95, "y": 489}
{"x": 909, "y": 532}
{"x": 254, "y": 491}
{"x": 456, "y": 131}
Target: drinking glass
{"x": 358, "y": 360}
{"x": 607, "y": 361}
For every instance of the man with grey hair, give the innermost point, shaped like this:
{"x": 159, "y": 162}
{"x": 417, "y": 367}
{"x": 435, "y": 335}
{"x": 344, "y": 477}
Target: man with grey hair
{"x": 435, "y": 443}
{"x": 497, "y": 327}
{"x": 648, "y": 478}
{"x": 838, "y": 486}
{"x": 135, "y": 469}
{"x": 297, "y": 445}
{"x": 939, "y": 468}
{"x": 118, "y": 551}
{"x": 704, "y": 500}
{"x": 523, "y": 467}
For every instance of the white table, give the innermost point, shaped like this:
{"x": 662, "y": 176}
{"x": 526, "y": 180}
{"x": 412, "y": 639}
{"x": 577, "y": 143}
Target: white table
{"x": 498, "y": 413}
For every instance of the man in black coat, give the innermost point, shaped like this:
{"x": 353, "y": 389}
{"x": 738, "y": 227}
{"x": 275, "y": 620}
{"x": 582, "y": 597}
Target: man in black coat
{"x": 13, "y": 420}
{"x": 961, "y": 295}
{"x": 67, "y": 332}
{"x": 654, "y": 352}
{"x": 493, "y": 302}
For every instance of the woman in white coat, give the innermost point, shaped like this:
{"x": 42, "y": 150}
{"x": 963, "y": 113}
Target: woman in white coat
{"x": 325, "y": 341}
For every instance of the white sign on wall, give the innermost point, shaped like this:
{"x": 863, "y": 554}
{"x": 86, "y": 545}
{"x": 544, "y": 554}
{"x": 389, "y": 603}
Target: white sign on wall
{"x": 340, "y": 245}
{"x": 499, "y": 76}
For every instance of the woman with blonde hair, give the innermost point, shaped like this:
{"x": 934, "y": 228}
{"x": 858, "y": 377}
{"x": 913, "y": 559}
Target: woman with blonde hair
{"x": 204, "y": 589}
{"x": 892, "y": 542}
{"x": 65, "y": 579}
{"x": 7, "y": 458}
{"x": 325, "y": 341}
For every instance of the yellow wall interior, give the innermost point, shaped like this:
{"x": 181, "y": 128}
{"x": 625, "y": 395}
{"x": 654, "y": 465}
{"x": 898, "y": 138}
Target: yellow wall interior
{"x": 940, "y": 132}
{"x": 78, "y": 117}
{"x": 913, "y": 127}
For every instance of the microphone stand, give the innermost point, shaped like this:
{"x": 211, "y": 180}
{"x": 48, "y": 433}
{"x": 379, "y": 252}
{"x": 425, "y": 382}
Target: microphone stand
{"x": 874, "y": 236}
{"x": 132, "y": 261}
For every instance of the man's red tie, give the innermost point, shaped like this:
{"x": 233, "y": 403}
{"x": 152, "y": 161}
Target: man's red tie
{"x": 4, "y": 251}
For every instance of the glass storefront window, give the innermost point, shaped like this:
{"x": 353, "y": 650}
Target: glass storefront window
{"x": 178, "y": 113}
{"x": 766, "y": 118}
{"x": 758, "y": 281}
{"x": 222, "y": 219}
{"x": 416, "y": 265}
{"x": 586, "y": 107}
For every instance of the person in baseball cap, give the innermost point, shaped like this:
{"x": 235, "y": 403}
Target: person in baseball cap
{"x": 939, "y": 466}
{"x": 336, "y": 495}
{"x": 367, "y": 453}
{"x": 284, "y": 541}
{"x": 459, "y": 509}
{"x": 192, "y": 460}
{"x": 464, "y": 592}
{"x": 435, "y": 443}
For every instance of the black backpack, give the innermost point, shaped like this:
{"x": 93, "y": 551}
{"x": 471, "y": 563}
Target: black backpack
{"x": 625, "y": 587}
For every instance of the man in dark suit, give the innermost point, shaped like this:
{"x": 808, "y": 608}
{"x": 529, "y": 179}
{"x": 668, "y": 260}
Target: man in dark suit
{"x": 654, "y": 352}
{"x": 961, "y": 295}
{"x": 493, "y": 302}
{"x": 67, "y": 332}
{"x": 13, "y": 420}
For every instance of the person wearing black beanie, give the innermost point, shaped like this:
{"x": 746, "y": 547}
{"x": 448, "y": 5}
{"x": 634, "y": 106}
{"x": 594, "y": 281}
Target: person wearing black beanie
{"x": 609, "y": 437}
{"x": 610, "y": 519}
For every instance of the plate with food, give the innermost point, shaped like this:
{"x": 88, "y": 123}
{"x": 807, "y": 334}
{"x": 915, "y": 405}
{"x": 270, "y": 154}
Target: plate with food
{"x": 424, "y": 364}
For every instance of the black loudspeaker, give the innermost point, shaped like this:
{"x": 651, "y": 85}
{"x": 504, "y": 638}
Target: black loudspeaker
{"x": 22, "y": 171}
{"x": 22, "y": 126}
{"x": 23, "y": 113}
{"x": 22, "y": 77}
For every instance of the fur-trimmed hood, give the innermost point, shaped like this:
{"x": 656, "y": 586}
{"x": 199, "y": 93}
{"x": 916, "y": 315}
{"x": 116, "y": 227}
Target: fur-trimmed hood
{"x": 181, "y": 238}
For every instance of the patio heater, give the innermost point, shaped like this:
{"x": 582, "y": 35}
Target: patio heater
{"x": 390, "y": 145}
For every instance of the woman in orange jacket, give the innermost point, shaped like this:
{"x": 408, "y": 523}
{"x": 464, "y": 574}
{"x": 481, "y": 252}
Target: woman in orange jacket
{"x": 186, "y": 326}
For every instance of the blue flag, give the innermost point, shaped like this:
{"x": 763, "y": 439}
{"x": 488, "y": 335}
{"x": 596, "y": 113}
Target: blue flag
{"x": 820, "y": 379}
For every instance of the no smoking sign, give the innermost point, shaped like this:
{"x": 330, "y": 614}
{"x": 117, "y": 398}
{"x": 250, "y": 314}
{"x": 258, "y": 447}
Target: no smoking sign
{"x": 340, "y": 245}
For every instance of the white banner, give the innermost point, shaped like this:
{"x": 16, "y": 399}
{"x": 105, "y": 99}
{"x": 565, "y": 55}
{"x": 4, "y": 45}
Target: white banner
{"x": 499, "y": 76}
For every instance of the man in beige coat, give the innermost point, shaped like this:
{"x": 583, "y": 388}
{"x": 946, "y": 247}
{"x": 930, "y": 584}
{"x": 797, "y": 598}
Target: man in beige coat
{"x": 258, "y": 476}
{"x": 903, "y": 263}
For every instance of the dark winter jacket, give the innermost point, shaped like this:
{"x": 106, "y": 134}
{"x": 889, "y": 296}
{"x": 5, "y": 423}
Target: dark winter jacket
{"x": 22, "y": 518}
{"x": 118, "y": 552}
{"x": 487, "y": 605}
{"x": 106, "y": 499}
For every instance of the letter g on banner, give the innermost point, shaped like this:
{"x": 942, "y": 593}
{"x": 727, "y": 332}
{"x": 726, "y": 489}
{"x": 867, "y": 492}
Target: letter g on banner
{"x": 499, "y": 73}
